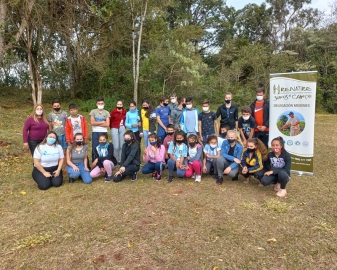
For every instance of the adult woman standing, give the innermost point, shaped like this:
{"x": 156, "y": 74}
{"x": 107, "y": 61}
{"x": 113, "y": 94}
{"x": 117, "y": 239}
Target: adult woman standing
{"x": 48, "y": 160}
{"x": 35, "y": 128}
{"x": 147, "y": 117}
{"x": 117, "y": 127}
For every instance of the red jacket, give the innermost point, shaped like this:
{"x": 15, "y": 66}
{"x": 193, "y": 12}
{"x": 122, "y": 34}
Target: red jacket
{"x": 116, "y": 117}
{"x": 69, "y": 129}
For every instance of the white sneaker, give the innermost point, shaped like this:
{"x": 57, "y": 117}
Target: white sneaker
{"x": 193, "y": 176}
{"x": 198, "y": 178}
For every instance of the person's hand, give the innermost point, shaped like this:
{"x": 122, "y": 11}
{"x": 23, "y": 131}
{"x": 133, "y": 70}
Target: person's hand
{"x": 263, "y": 128}
{"x": 86, "y": 140}
{"x": 177, "y": 164}
{"x": 153, "y": 148}
{"x": 204, "y": 169}
{"x": 141, "y": 135}
{"x": 56, "y": 173}
{"x": 25, "y": 146}
{"x": 244, "y": 142}
{"x": 165, "y": 129}
{"x": 94, "y": 162}
{"x": 134, "y": 125}
{"x": 122, "y": 169}
{"x": 86, "y": 169}
{"x": 75, "y": 169}
{"x": 227, "y": 170}
{"x": 47, "y": 174}
{"x": 268, "y": 173}
{"x": 103, "y": 170}
{"x": 201, "y": 138}
{"x": 237, "y": 161}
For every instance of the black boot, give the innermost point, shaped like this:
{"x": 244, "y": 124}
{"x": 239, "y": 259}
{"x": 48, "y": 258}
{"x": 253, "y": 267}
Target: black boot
{"x": 71, "y": 180}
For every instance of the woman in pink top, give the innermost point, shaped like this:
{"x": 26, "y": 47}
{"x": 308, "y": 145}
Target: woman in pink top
{"x": 35, "y": 128}
{"x": 155, "y": 158}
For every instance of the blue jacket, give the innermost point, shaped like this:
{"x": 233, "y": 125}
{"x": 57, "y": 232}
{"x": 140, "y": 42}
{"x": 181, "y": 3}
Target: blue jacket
{"x": 132, "y": 117}
{"x": 237, "y": 153}
{"x": 183, "y": 117}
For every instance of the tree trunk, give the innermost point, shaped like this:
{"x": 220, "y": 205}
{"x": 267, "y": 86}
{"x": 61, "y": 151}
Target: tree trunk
{"x": 3, "y": 12}
{"x": 70, "y": 66}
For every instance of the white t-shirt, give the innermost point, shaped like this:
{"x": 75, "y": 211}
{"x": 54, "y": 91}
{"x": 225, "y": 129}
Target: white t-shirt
{"x": 48, "y": 155}
{"x": 192, "y": 151}
{"x": 99, "y": 117}
{"x": 292, "y": 121}
{"x": 76, "y": 124}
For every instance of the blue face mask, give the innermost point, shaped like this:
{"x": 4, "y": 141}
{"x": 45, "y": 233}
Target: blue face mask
{"x": 51, "y": 140}
{"x": 153, "y": 143}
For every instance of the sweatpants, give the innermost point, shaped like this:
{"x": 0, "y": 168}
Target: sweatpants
{"x": 43, "y": 182}
{"x": 117, "y": 135}
{"x": 150, "y": 167}
{"x": 108, "y": 166}
{"x": 222, "y": 164}
{"x": 195, "y": 167}
{"x": 210, "y": 165}
{"x": 129, "y": 170}
{"x": 282, "y": 178}
{"x": 171, "y": 164}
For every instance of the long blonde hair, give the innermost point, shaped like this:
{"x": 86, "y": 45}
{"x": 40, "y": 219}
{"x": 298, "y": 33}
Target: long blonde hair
{"x": 44, "y": 117}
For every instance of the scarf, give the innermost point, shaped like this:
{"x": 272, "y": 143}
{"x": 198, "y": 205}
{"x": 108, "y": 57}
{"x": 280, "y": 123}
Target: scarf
{"x": 102, "y": 150}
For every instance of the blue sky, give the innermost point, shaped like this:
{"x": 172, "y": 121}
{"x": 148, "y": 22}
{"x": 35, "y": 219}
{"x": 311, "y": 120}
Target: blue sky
{"x": 238, "y": 4}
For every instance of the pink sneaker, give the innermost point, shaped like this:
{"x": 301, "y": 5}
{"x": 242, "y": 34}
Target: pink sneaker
{"x": 277, "y": 187}
{"x": 281, "y": 193}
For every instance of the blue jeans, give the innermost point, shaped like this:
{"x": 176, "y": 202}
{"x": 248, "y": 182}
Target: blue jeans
{"x": 84, "y": 174}
{"x": 171, "y": 164}
{"x": 146, "y": 138}
{"x": 204, "y": 137}
{"x": 150, "y": 167}
{"x": 62, "y": 141}
{"x": 94, "y": 142}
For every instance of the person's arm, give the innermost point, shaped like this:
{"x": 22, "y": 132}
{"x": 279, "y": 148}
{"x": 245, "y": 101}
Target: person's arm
{"x": 140, "y": 123}
{"x": 238, "y": 153}
{"x": 236, "y": 118}
{"x": 68, "y": 155}
{"x": 197, "y": 155}
{"x": 60, "y": 163}
{"x": 84, "y": 126}
{"x": 182, "y": 121}
{"x": 146, "y": 154}
{"x": 25, "y": 132}
{"x": 216, "y": 126}
{"x": 37, "y": 164}
{"x": 200, "y": 130}
{"x": 160, "y": 123}
{"x": 131, "y": 156}
{"x": 50, "y": 128}
{"x": 218, "y": 112}
{"x": 160, "y": 154}
{"x": 287, "y": 164}
{"x": 96, "y": 124}
{"x": 243, "y": 158}
{"x": 259, "y": 164}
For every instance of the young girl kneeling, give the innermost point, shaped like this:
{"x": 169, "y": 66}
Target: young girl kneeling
{"x": 252, "y": 158}
{"x": 155, "y": 157}
{"x": 278, "y": 167}
{"x": 211, "y": 153}
{"x": 194, "y": 158}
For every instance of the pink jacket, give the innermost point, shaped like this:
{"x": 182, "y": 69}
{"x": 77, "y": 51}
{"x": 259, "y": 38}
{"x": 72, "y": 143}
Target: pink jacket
{"x": 159, "y": 156}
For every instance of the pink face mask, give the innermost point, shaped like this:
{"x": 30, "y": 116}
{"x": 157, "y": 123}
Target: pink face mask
{"x": 276, "y": 150}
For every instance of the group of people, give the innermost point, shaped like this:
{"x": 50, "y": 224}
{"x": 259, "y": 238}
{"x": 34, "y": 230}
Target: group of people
{"x": 176, "y": 136}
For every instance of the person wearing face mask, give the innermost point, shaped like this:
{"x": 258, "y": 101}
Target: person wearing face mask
{"x": 223, "y": 134}
{"x": 163, "y": 117}
{"x": 260, "y": 112}
{"x": 246, "y": 125}
{"x": 173, "y": 101}
{"x": 211, "y": 154}
{"x": 48, "y": 160}
{"x": 228, "y": 162}
{"x": 177, "y": 111}
{"x": 76, "y": 123}
{"x": 35, "y": 128}
{"x": 117, "y": 127}
{"x": 57, "y": 122}
{"x": 77, "y": 160}
{"x": 130, "y": 161}
{"x": 104, "y": 161}
{"x": 133, "y": 120}
{"x": 168, "y": 139}
{"x": 208, "y": 123}
{"x": 253, "y": 157}
{"x": 155, "y": 157}
{"x": 148, "y": 120}
{"x": 193, "y": 161}
{"x": 189, "y": 118}
{"x": 278, "y": 167}
{"x": 100, "y": 122}
{"x": 228, "y": 112}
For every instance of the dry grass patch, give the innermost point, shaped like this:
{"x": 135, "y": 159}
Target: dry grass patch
{"x": 277, "y": 206}
{"x": 32, "y": 241}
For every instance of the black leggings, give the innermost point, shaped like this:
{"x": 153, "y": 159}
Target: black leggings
{"x": 43, "y": 182}
{"x": 281, "y": 177}
{"x": 129, "y": 170}
{"x": 32, "y": 145}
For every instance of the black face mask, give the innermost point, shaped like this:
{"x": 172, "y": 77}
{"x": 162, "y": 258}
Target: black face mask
{"x": 231, "y": 140}
{"x": 250, "y": 150}
{"x": 224, "y": 134}
{"x": 179, "y": 141}
{"x": 165, "y": 104}
{"x": 170, "y": 133}
{"x": 184, "y": 105}
{"x": 145, "y": 108}
{"x": 228, "y": 101}
{"x": 57, "y": 109}
{"x": 127, "y": 141}
{"x": 192, "y": 144}
{"x": 79, "y": 143}
{"x": 119, "y": 107}
{"x": 102, "y": 143}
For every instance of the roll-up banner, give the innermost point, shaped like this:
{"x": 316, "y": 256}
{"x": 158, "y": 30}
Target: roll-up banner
{"x": 292, "y": 116}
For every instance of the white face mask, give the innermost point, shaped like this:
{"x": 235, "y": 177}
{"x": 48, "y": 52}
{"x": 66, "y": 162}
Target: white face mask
{"x": 245, "y": 117}
{"x": 205, "y": 109}
{"x": 173, "y": 100}
{"x": 189, "y": 106}
{"x": 100, "y": 107}
{"x": 213, "y": 145}
{"x": 259, "y": 98}
{"x": 39, "y": 112}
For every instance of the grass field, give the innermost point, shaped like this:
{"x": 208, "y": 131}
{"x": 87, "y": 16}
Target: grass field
{"x": 155, "y": 225}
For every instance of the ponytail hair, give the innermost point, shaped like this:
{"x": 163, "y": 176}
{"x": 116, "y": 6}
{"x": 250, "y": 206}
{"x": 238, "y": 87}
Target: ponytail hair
{"x": 260, "y": 147}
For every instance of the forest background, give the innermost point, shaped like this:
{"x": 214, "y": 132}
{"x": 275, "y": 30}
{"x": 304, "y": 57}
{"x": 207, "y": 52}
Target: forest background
{"x": 133, "y": 49}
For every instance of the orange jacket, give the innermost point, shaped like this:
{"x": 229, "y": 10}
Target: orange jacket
{"x": 69, "y": 129}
